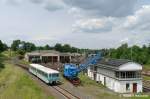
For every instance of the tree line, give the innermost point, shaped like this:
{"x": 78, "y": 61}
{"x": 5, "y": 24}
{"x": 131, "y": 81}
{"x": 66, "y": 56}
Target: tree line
{"x": 23, "y": 47}
{"x": 135, "y": 53}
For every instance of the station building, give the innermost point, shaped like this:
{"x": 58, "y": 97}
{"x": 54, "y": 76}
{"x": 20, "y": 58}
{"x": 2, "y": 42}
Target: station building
{"x": 119, "y": 75}
{"x": 48, "y": 56}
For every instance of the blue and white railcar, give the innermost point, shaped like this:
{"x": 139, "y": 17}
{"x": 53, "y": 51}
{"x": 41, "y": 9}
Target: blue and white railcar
{"x": 46, "y": 74}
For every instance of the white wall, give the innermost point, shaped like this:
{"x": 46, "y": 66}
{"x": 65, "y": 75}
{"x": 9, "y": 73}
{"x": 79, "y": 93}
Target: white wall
{"x": 26, "y": 57}
{"x": 123, "y": 86}
{"x": 110, "y": 82}
{"x": 90, "y": 73}
{"x": 106, "y": 72}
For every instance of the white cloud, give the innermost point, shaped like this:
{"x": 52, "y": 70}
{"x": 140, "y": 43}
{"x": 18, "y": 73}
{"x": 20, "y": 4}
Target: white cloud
{"x": 140, "y": 20}
{"x": 50, "y": 5}
{"x": 93, "y": 25}
{"x": 54, "y": 5}
{"x": 13, "y": 2}
{"x": 132, "y": 29}
{"x": 125, "y": 40}
{"x": 113, "y": 8}
{"x": 76, "y": 12}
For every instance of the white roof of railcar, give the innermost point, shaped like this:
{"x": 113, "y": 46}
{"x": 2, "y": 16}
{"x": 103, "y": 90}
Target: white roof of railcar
{"x": 45, "y": 69}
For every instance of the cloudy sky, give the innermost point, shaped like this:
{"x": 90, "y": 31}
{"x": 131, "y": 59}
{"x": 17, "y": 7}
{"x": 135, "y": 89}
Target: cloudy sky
{"x": 81, "y": 23}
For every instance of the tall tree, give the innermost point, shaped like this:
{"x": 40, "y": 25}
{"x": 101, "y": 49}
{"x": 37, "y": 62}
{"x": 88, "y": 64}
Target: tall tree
{"x": 47, "y": 47}
{"x": 3, "y": 46}
{"x": 58, "y": 47}
{"x": 28, "y": 47}
{"x": 15, "y": 45}
{"x": 67, "y": 48}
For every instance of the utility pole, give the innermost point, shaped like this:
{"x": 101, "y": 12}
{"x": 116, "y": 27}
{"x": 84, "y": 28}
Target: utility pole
{"x": 109, "y": 53}
{"x": 131, "y": 53}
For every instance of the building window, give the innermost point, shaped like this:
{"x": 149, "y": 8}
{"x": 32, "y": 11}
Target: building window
{"x": 90, "y": 68}
{"x": 127, "y": 86}
{"x": 117, "y": 74}
{"x": 128, "y": 74}
{"x": 122, "y": 74}
{"x": 95, "y": 68}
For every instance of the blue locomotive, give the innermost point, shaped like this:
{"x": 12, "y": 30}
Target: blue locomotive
{"x": 71, "y": 71}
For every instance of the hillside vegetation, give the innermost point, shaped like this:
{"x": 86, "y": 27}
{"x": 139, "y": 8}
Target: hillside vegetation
{"x": 16, "y": 84}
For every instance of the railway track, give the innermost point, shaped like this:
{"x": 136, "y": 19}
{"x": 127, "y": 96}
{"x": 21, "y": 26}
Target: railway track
{"x": 146, "y": 73}
{"x": 146, "y": 85}
{"x": 59, "y": 89}
{"x": 66, "y": 93}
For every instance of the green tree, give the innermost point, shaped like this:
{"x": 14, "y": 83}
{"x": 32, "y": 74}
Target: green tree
{"x": 3, "y": 46}
{"x": 66, "y": 48}
{"x": 18, "y": 45}
{"x": 58, "y": 47}
{"x": 74, "y": 49}
{"x": 15, "y": 45}
{"x": 47, "y": 47}
{"x": 135, "y": 53}
{"x": 28, "y": 47}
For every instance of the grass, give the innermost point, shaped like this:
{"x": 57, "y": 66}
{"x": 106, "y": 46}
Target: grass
{"x": 9, "y": 54}
{"x": 24, "y": 62}
{"x": 16, "y": 84}
{"x": 147, "y": 67}
{"x": 86, "y": 81}
{"x": 146, "y": 77}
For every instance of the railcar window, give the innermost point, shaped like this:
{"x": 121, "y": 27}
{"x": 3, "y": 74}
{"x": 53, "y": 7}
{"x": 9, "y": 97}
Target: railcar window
{"x": 45, "y": 74}
{"x": 39, "y": 71}
{"x": 42, "y": 73}
{"x": 55, "y": 75}
{"x": 50, "y": 75}
{"x": 33, "y": 68}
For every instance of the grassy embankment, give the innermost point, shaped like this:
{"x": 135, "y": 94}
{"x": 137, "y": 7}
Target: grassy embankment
{"x": 86, "y": 81}
{"x": 16, "y": 84}
{"x": 146, "y": 67}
